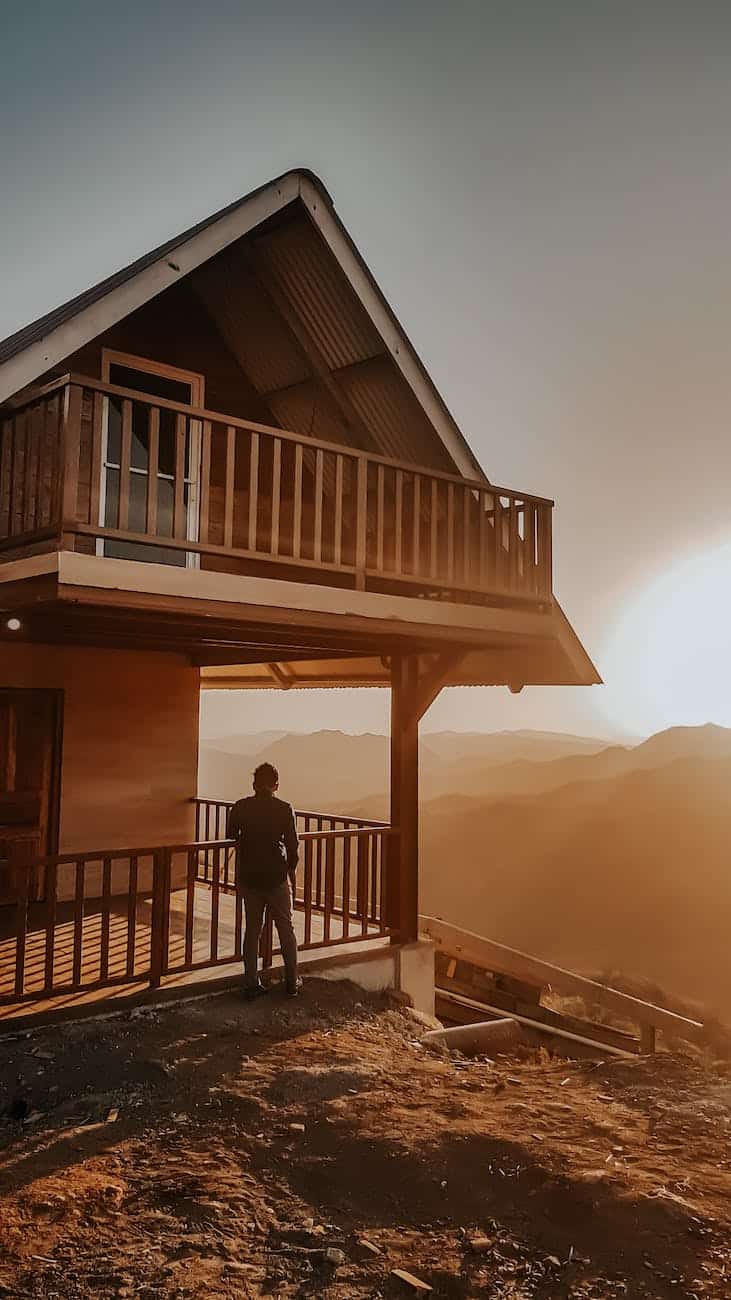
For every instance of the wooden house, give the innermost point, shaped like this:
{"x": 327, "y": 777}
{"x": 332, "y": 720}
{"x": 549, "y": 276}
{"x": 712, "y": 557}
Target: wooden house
{"x": 225, "y": 466}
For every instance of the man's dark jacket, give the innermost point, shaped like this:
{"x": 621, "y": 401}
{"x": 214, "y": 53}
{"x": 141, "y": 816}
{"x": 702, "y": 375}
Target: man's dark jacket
{"x": 265, "y": 832}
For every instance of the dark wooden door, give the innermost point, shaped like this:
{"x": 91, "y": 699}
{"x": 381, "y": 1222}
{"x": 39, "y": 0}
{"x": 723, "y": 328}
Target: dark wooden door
{"x": 29, "y": 780}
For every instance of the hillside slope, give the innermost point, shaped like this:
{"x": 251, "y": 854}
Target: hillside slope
{"x": 218, "y": 1149}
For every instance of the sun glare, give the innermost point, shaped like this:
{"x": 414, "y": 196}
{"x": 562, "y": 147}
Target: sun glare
{"x": 667, "y": 660}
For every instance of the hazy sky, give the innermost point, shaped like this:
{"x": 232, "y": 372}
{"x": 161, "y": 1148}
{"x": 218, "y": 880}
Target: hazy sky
{"x": 543, "y": 192}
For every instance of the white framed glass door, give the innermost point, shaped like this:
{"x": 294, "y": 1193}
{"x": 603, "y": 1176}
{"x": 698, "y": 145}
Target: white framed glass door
{"x": 153, "y": 379}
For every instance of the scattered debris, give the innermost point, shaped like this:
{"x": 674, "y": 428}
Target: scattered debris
{"x": 415, "y": 1283}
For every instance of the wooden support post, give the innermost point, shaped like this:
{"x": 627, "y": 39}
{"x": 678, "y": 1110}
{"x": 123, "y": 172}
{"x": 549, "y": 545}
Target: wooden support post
{"x": 402, "y": 885}
{"x": 414, "y": 686}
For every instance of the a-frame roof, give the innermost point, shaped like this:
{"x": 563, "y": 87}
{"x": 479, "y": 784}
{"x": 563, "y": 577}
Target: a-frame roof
{"x": 35, "y": 350}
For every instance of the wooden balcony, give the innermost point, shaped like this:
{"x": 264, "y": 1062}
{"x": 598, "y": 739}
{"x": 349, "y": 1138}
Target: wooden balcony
{"x": 94, "y": 467}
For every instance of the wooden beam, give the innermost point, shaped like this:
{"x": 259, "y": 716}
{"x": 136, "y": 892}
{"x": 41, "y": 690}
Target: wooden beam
{"x": 431, "y": 681}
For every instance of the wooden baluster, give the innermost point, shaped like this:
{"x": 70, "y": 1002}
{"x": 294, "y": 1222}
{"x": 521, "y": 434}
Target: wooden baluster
{"x": 380, "y": 516}
{"x": 125, "y": 460}
{"x": 6, "y": 461}
{"x": 529, "y": 573}
{"x": 131, "y": 916}
{"x": 308, "y": 891}
{"x": 514, "y": 543}
{"x": 434, "y": 530}
{"x": 361, "y": 523}
{"x": 67, "y": 501}
{"x": 78, "y": 924}
{"x": 467, "y": 505}
{"x": 52, "y": 467}
{"x": 373, "y": 872}
{"x": 50, "y": 901}
{"x": 18, "y": 479}
{"x": 450, "y": 532}
{"x": 238, "y": 919}
{"x": 254, "y": 492}
{"x": 398, "y": 559}
{"x": 362, "y": 886}
{"x": 276, "y": 494}
{"x": 45, "y": 457}
{"x": 347, "y": 850}
{"x": 416, "y": 526}
{"x": 546, "y": 545}
{"x": 105, "y": 918}
{"x": 153, "y": 467}
{"x": 97, "y": 458}
{"x": 21, "y": 871}
{"x": 338, "y": 523}
{"x": 482, "y": 570}
{"x": 499, "y": 548}
{"x": 317, "y": 541}
{"x": 215, "y": 903}
{"x": 190, "y": 879}
{"x": 157, "y": 926}
{"x": 180, "y": 521}
{"x": 204, "y": 510}
{"x": 31, "y": 468}
{"x": 230, "y": 478}
{"x": 297, "y": 506}
{"x": 329, "y": 887}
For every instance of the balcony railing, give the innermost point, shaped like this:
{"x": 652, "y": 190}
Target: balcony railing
{"x": 82, "y": 922}
{"x": 92, "y": 466}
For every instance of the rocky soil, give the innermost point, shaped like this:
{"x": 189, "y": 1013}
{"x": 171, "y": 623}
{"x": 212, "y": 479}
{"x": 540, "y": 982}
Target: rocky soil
{"x": 222, "y": 1149}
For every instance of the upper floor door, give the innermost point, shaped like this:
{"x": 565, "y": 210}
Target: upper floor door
{"x": 145, "y": 459}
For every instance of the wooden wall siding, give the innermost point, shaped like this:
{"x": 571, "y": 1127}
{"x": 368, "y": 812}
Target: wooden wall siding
{"x": 130, "y": 742}
{"x": 29, "y": 468}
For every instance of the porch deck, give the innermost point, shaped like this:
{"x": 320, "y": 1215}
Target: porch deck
{"x": 88, "y": 926}
{"x": 118, "y": 983}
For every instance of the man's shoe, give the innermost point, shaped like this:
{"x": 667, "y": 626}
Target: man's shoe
{"x": 293, "y": 990}
{"x": 249, "y": 994}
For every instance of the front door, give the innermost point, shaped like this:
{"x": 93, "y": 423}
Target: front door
{"x": 30, "y": 766}
{"x": 155, "y": 380}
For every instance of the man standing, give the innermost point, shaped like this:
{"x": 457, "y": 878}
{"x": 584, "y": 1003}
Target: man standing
{"x": 267, "y": 851}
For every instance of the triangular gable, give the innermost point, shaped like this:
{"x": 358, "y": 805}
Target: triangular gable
{"x": 35, "y": 350}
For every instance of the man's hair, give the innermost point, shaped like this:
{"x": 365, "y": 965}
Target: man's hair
{"x": 266, "y": 776}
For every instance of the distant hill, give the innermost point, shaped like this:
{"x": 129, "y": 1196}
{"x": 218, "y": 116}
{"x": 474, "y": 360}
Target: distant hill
{"x": 589, "y": 854}
{"x": 628, "y": 873}
{"x": 333, "y": 770}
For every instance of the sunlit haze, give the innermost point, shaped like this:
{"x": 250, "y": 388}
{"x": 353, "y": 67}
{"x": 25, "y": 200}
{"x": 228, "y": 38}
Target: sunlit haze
{"x": 541, "y": 190}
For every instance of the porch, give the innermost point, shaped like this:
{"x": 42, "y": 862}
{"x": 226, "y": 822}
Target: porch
{"x": 91, "y": 926}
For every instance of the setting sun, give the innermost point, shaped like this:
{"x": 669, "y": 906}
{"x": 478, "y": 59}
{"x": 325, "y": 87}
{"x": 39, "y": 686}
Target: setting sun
{"x": 666, "y": 662}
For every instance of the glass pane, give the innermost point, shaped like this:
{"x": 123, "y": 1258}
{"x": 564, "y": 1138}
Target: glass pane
{"x": 114, "y": 430}
{"x": 111, "y": 505}
{"x": 140, "y": 435}
{"x": 143, "y": 381}
{"x": 137, "y": 503}
{"x": 147, "y": 554}
{"x": 165, "y": 497}
{"x": 166, "y": 463}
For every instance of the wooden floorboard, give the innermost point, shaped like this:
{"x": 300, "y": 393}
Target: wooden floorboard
{"x": 63, "y": 954}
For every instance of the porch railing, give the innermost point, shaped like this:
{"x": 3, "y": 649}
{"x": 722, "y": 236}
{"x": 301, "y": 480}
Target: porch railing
{"x": 83, "y": 922}
{"x": 86, "y": 462}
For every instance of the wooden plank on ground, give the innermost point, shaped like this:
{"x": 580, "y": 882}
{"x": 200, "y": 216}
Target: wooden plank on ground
{"x": 463, "y": 944}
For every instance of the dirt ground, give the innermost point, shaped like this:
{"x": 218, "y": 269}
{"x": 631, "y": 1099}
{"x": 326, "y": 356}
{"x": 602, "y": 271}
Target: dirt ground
{"x": 224, "y": 1149}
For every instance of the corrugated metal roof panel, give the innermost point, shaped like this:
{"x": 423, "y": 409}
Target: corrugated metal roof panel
{"x": 389, "y": 409}
{"x": 315, "y": 287}
{"x": 252, "y": 329}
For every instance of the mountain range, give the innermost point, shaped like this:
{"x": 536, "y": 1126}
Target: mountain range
{"x": 599, "y": 856}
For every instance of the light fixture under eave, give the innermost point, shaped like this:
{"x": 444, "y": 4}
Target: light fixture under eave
{"x": 13, "y": 624}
